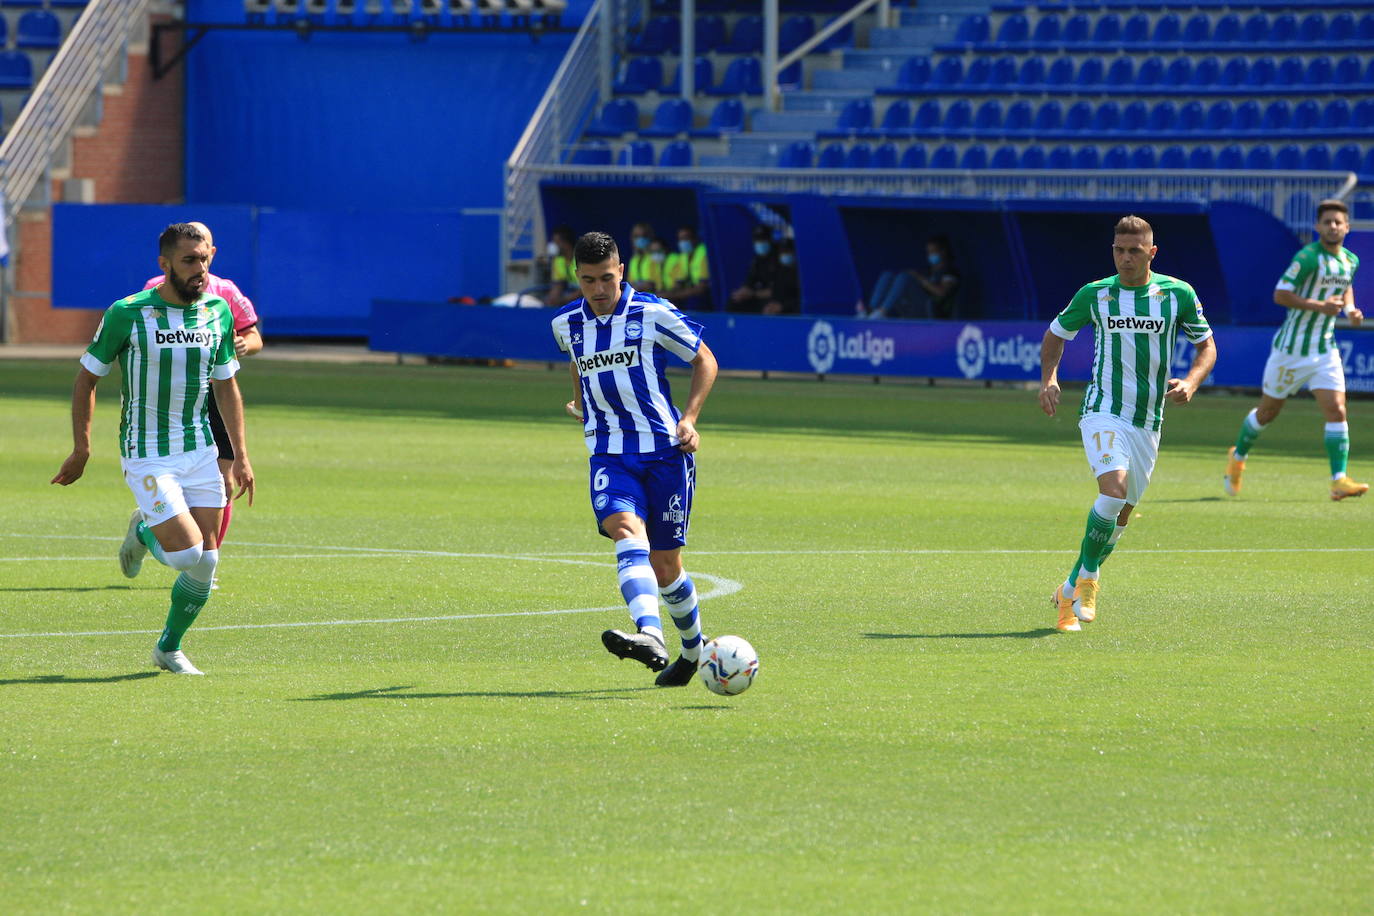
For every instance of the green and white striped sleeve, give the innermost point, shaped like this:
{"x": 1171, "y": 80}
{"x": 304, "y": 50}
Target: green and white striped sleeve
{"x": 1075, "y": 315}
{"x": 225, "y": 363}
{"x": 1298, "y": 273}
{"x": 1190, "y": 318}
{"x": 111, "y": 337}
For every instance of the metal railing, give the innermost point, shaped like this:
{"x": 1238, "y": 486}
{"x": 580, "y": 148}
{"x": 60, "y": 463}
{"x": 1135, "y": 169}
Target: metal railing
{"x": 772, "y": 67}
{"x": 56, "y": 104}
{"x": 1291, "y": 197}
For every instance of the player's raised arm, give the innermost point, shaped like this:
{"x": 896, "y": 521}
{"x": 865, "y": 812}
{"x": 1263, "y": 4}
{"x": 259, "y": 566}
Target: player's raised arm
{"x": 83, "y": 405}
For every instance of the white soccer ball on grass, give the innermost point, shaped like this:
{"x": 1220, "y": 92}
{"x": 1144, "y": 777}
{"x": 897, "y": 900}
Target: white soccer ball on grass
{"x": 728, "y": 665}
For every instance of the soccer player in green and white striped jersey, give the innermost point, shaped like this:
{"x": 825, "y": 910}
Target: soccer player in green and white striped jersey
{"x": 1314, "y": 289}
{"x": 1136, "y": 317}
{"x": 172, "y": 342}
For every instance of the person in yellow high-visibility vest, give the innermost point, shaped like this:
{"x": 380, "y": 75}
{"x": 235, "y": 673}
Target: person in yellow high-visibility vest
{"x": 686, "y": 272}
{"x": 639, "y": 268}
{"x": 562, "y": 268}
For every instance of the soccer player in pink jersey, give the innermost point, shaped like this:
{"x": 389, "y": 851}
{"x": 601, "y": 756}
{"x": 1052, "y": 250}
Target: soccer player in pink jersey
{"x": 247, "y": 341}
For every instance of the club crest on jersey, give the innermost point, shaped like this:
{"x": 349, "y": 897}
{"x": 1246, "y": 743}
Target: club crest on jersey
{"x": 607, "y": 360}
{"x": 1135, "y": 324}
{"x": 633, "y": 330}
{"x": 185, "y": 337}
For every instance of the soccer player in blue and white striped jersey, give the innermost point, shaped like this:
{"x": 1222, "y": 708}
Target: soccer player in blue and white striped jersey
{"x": 642, "y": 467}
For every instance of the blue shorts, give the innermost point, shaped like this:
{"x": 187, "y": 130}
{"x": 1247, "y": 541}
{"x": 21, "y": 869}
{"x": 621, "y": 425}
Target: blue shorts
{"x": 656, "y": 486}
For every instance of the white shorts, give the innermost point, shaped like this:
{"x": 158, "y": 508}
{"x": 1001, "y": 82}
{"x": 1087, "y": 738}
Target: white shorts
{"x": 1113, "y": 444}
{"x": 1285, "y": 374}
{"x": 167, "y": 487}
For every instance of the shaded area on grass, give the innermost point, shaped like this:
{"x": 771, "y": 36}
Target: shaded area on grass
{"x": 389, "y": 693}
{"x": 64, "y": 679}
{"x": 1019, "y": 634}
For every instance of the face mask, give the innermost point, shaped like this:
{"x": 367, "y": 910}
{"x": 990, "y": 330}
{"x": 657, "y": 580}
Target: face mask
{"x": 552, "y": 249}
{"x": 641, "y": 242}
{"x": 933, "y": 259}
{"x": 760, "y": 248}
{"x": 658, "y": 256}
{"x": 787, "y": 259}
{"x": 684, "y": 246}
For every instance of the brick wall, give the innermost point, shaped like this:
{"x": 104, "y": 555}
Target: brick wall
{"x": 134, "y": 156}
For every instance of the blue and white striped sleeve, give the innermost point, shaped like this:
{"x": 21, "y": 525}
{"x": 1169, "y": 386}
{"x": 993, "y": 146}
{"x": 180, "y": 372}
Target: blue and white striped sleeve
{"x": 676, "y": 333}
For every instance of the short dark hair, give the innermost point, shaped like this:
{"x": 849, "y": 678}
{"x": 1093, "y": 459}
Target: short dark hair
{"x": 565, "y": 232}
{"x": 173, "y": 234}
{"x": 595, "y": 247}
{"x": 1133, "y": 225}
{"x": 1333, "y": 204}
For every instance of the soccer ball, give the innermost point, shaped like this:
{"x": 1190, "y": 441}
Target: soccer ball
{"x": 728, "y": 665}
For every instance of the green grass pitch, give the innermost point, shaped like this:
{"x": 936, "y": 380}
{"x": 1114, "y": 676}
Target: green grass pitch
{"x": 919, "y": 738}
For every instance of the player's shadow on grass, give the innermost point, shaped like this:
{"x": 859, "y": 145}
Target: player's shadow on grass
{"x": 90, "y": 588}
{"x": 390, "y": 693}
{"x": 1037, "y": 633}
{"x": 64, "y": 679}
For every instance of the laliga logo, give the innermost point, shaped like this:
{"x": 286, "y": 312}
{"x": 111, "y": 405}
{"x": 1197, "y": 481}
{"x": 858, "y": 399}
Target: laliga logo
{"x": 824, "y": 345}
{"x": 970, "y": 351}
{"x": 820, "y": 346}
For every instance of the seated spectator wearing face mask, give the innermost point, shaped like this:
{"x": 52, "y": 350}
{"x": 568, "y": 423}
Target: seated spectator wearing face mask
{"x": 769, "y": 285}
{"x": 686, "y": 272}
{"x": 652, "y": 280}
{"x": 561, "y": 267}
{"x": 914, "y": 294}
{"x": 637, "y": 267}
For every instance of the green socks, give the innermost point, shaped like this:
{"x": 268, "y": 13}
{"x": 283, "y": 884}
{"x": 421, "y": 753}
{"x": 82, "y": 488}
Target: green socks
{"x": 188, "y": 597}
{"x": 1337, "y": 447}
{"x": 1250, "y": 429}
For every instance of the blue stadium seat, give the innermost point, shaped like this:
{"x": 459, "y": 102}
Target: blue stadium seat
{"x": 1004, "y": 157}
{"x": 1307, "y": 115}
{"x": 1151, "y": 72}
{"x": 1369, "y": 73}
{"x": 1260, "y": 158}
{"x": 1077, "y": 29}
{"x": 1367, "y": 167}
{"x": 703, "y": 77}
{"x": 1237, "y": 68}
{"x": 914, "y": 157}
{"x": 1348, "y": 70}
{"x": 959, "y": 115}
{"x": 1060, "y": 157}
{"x": 1347, "y": 158}
{"x": 856, "y": 114}
{"x": 1136, "y": 31}
{"x": 641, "y": 74}
{"x": 948, "y": 72}
{"x": 1197, "y": 29}
{"x": 972, "y": 30}
{"x": 744, "y": 76}
{"x": 1033, "y": 157}
{"x": 927, "y": 116}
{"x": 1168, "y": 30}
{"x": 672, "y": 117}
{"x": 1090, "y": 72}
{"x": 1032, "y": 72}
{"x": 1317, "y": 158}
{"x": 709, "y": 32}
{"x": 945, "y": 157}
{"x": 636, "y": 153}
{"x": 1121, "y": 73}
{"x": 1207, "y": 72}
{"x": 1364, "y": 29}
{"x": 897, "y": 117}
{"x": 1261, "y": 73}
{"x": 38, "y": 29}
{"x": 1180, "y": 71}
{"x": 661, "y": 34}
{"x": 1143, "y": 157}
{"x": 1013, "y": 30}
{"x": 989, "y": 116}
{"x": 1363, "y": 115}
{"x": 1173, "y": 157}
{"x": 1341, "y": 27}
{"x": 1049, "y": 116}
{"x": 1201, "y": 157}
{"x": 975, "y": 157}
{"x": 1086, "y": 158}
{"x": 1004, "y": 73}
{"x": 1060, "y": 73}
{"x": 1283, "y": 31}
{"x": 747, "y": 36}
{"x": 1277, "y": 116}
{"x": 1019, "y": 116}
{"x": 1228, "y": 30}
{"x": 618, "y": 116}
{"x": 915, "y": 71}
{"x": 978, "y": 73}
{"x": 794, "y": 31}
{"x": 860, "y": 156}
{"x": 1047, "y": 30}
{"x": 1288, "y": 158}
{"x": 1079, "y": 116}
{"x": 1135, "y": 117}
{"x": 1220, "y": 115}
{"x": 594, "y": 152}
{"x": 1164, "y": 116}
{"x": 1108, "y": 29}
{"x": 16, "y": 70}
{"x": 797, "y": 155}
{"x": 885, "y": 156}
{"x": 1191, "y": 117}
{"x": 1290, "y": 72}
{"x": 1248, "y": 116}
{"x": 1231, "y": 157}
{"x": 1312, "y": 29}
{"x": 1118, "y": 158}
{"x": 1255, "y": 29}
{"x": 1107, "y": 118}
{"x": 832, "y": 157}
{"x": 1319, "y": 72}
{"x": 727, "y": 117}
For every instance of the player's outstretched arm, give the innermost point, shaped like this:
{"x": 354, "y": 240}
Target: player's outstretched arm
{"x": 83, "y": 405}
{"x": 1181, "y": 391}
{"x": 1291, "y": 300}
{"x": 704, "y": 372}
{"x": 1051, "y": 352}
{"x": 230, "y": 404}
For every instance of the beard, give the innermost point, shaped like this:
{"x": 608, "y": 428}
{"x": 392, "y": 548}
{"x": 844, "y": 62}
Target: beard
{"x": 182, "y": 289}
